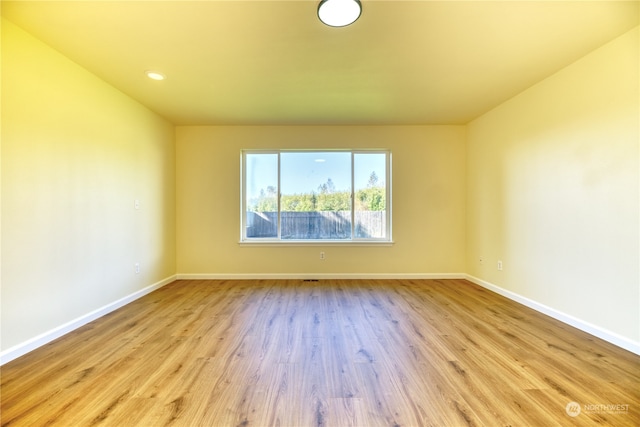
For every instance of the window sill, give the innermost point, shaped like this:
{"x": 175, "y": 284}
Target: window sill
{"x": 315, "y": 243}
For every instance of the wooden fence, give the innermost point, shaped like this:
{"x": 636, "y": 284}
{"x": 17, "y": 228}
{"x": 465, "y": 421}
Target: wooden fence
{"x": 316, "y": 225}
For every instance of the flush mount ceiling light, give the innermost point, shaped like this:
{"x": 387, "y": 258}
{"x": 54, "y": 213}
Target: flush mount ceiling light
{"x": 339, "y": 13}
{"x": 154, "y": 75}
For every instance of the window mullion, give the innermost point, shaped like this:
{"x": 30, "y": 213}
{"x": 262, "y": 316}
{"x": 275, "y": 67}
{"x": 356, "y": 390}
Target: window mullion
{"x": 278, "y": 201}
{"x": 353, "y": 210}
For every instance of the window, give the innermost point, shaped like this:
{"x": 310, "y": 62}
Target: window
{"x": 316, "y": 196}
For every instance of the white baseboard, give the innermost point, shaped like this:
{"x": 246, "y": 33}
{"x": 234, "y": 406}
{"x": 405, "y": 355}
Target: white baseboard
{"x": 587, "y": 327}
{"x": 42, "y": 339}
{"x": 320, "y": 276}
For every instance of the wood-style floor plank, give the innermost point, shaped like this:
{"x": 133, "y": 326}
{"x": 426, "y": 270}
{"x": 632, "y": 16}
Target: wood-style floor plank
{"x": 327, "y": 353}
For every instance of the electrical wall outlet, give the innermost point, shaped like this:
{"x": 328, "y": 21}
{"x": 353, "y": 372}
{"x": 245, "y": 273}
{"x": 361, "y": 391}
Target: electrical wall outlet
{"x": 499, "y": 265}
{"x": 321, "y": 255}
{"x": 136, "y": 267}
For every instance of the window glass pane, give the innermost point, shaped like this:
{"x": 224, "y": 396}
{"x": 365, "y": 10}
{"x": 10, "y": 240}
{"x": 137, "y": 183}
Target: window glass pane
{"x": 261, "y": 189}
{"x": 317, "y": 201}
{"x": 370, "y": 195}
{"x": 316, "y": 195}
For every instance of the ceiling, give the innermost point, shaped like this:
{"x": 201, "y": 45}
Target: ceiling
{"x": 273, "y": 62}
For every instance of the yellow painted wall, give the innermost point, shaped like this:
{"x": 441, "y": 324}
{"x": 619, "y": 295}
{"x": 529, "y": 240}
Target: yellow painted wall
{"x": 428, "y": 201}
{"x": 76, "y": 153}
{"x": 548, "y": 183}
{"x": 553, "y": 191}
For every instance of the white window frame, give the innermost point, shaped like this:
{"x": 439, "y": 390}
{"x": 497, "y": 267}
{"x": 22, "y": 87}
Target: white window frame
{"x": 353, "y": 240}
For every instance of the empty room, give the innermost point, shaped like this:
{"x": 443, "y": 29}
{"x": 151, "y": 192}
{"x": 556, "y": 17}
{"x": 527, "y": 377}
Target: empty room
{"x": 320, "y": 213}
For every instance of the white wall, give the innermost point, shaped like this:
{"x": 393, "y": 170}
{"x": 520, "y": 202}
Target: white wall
{"x": 553, "y": 191}
{"x": 76, "y": 153}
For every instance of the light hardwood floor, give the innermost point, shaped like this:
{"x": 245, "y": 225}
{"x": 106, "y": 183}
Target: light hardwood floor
{"x": 329, "y": 353}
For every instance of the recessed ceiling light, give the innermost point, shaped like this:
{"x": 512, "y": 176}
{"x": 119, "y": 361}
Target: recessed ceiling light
{"x": 155, "y": 75}
{"x": 320, "y": 160}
